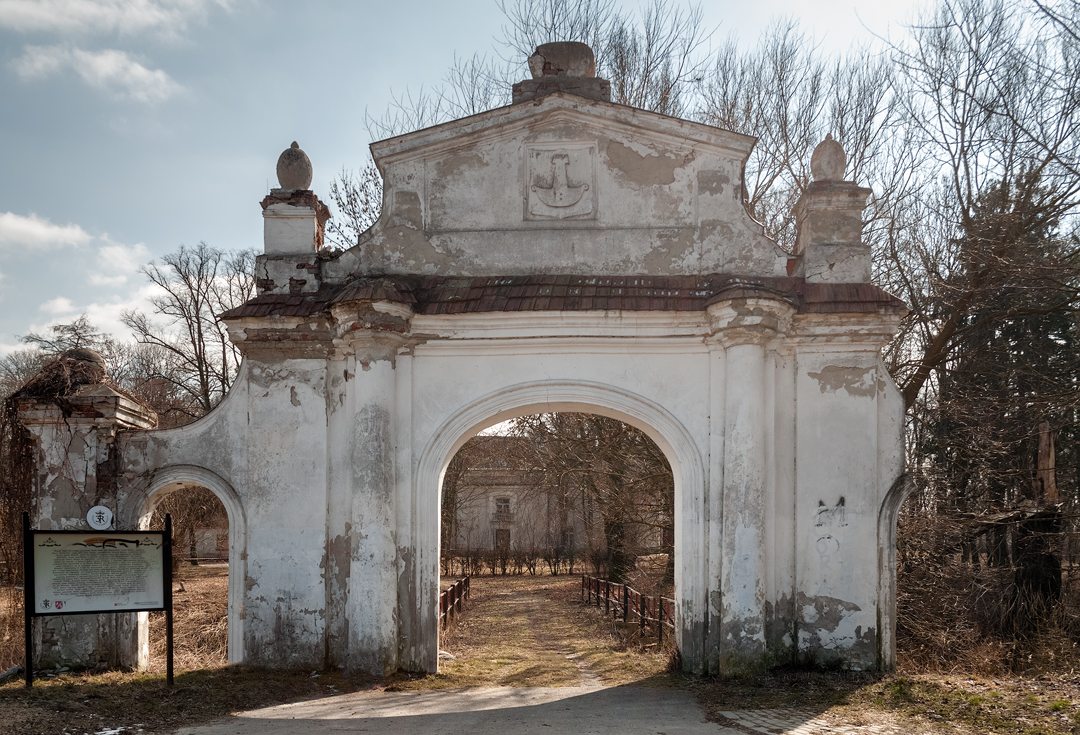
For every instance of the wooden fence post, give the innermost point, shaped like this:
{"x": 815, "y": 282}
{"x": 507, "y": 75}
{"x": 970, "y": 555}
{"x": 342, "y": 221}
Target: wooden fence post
{"x": 625, "y": 602}
{"x": 659, "y": 619}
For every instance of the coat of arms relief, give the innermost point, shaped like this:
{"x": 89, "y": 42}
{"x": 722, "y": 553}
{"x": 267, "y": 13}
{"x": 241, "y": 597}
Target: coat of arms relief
{"x": 560, "y": 181}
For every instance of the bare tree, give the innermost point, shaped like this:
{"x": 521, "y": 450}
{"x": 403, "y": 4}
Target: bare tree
{"x": 789, "y": 96}
{"x": 471, "y": 85}
{"x": 610, "y": 473}
{"x": 197, "y": 285}
{"x": 651, "y": 60}
{"x": 994, "y": 102}
{"x": 357, "y": 197}
{"x": 16, "y": 368}
{"x": 655, "y": 60}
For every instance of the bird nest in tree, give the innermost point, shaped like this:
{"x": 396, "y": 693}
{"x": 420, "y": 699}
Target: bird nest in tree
{"x": 63, "y": 375}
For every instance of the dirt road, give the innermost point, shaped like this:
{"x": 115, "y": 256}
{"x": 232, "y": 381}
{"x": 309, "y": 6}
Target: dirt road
{"x": 526, "y": 658}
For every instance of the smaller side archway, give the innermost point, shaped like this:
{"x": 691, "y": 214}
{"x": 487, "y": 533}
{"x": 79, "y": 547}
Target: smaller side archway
{"x": 176, "y": 477}
{"x": 887, "y": 516}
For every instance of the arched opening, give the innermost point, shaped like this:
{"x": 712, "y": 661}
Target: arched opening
{"x": 888, "y": 518}
{"x": 543, "y": 513}
{"x": 560, "y": 494}
{"x": 672, "y": 442}
{"x": 208, "y": 558}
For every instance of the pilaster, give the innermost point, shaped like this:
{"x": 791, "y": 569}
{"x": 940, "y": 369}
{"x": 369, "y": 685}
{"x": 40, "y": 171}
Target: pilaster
{"x": 844, "y": 466}
{"x": 369, "y": 336}
{"x": 745, "y": 327}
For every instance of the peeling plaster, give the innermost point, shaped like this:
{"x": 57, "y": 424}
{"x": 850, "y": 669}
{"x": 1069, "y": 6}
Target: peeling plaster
{"x": 647, "y": 170}
{"x": 676, "y": 249}
{"x": 856, "y": 381}
{"x": 713, "y": 183}
{"x": 827, "y": 635}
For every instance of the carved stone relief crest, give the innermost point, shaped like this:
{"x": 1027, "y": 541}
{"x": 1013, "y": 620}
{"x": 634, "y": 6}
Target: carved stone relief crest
{"x": 560, "y": 181}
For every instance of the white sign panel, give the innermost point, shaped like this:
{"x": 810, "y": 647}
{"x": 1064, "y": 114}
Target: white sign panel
{"x": 98, "y": 572}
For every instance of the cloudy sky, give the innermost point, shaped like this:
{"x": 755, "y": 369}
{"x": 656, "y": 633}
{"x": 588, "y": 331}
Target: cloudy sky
{"x": 130, "y": 127}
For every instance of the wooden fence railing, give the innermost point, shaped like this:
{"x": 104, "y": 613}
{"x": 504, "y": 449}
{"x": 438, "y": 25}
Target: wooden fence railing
{"x": 452, "y": 600}
{"x": 623, "y": 601}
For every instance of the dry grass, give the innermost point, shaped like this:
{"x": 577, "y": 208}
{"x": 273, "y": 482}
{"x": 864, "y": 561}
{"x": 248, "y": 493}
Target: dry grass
{"x": 200, "y": 629}
{"x": 954, "y": 618}
{"x": 11, "y": 627}
{"x": 531, "y": 631}
{"x": 130, "y": 703}
{"x": 200, "y": 619}
{"x": 517, "y": 631}
{"x": 924, "y": 703}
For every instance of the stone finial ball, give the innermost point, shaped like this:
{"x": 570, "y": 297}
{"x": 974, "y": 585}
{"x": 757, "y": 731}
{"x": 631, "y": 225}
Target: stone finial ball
{"x": 569, "y": 58}
{"x": 828, "y": 161}
{"x": 294, "y": 168}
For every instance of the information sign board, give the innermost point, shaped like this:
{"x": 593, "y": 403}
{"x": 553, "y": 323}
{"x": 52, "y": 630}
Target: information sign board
{"x": 71, "y": 572}
{"x": 98, "y": 572}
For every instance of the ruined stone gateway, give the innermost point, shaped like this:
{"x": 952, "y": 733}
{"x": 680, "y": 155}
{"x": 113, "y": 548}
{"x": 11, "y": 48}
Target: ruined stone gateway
{"x": 561, "y": 253}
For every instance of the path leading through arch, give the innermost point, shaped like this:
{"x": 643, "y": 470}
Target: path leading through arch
{"x": 526, "y": 657}
{"x": 532, "y": 631}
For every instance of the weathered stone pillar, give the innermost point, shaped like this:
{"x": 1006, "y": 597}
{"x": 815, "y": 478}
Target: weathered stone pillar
{"x": 829, "y": 246}
{"x": 745, "y": 326}
{"x": 294, "y": 221}
{"x": 372, "y": 325}
{"x": 75, "y": 469}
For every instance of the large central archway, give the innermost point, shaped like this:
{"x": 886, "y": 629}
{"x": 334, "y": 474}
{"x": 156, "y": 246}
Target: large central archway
{"x": 683, "y": 454}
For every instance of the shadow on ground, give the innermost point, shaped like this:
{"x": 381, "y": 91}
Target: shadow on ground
{"x": 634, "y": 708}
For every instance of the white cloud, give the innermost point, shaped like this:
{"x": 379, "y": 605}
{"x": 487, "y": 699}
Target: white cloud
{"x": 104, "y": 315}
{"x": 38, "y": 62}
{"x": 116, "y": 72}
{"x": 126, "y": 17}
{"x": 109, "y": 70}
{"x": 33, "y": 232}
{"x": 59, "y": 306}
{"x": 118, "y": 262}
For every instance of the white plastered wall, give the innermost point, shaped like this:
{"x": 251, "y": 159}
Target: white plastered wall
{"x": 330, "y": 468}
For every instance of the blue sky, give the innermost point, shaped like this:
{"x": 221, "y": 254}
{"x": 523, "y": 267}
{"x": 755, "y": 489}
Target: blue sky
{"x": 129, "y": 127}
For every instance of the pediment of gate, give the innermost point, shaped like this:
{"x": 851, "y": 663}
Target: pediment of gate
{"x": 563, "y": 185}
